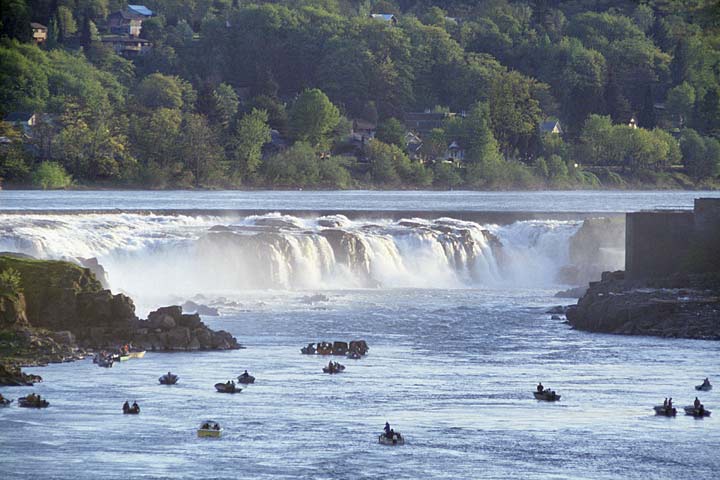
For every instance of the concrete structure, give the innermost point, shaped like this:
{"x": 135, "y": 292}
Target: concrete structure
{"x": 658, "y": 243}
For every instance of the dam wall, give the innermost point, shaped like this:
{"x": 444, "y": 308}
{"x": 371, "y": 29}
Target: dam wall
{"x": 658, "y": 243}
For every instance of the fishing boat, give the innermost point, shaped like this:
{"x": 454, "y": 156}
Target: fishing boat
{"x": 168, "y": 379}
{"x": 33, "y": 401}
{"x": 227, "y": 388}
{"x": 699, "y": 412}
{"x": 246, "y": 378}
{"x": 209, "y": 428}
{"x": 547, "y": 395}
{"x": 665, "y": 410}
{"x": 396, "y": 439}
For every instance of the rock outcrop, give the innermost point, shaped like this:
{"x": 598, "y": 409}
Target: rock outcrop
{"x": 59, "y": 309}
{"x": 681, "y": 306}
{"x": 167, "y": 328}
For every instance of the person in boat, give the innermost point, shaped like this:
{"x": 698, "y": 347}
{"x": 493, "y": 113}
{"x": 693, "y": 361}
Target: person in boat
{"x": 540, "y": 387}
{"x": 135, "y": 407}
{"x": 391, "y": 434}
{"x": 697, "y": 403}
{"x": 665, "y": 402}
{"x": 669, "y": 404}
{"x": 701, "y": 410}
{"x": 216, "y": 427}
{"x": 387, "y": 428}
{"x": 126, "y": 406}
{"x": 245, "y": 374}
{"x": 205, "y": 426}
{"x": 2, "y": 399}
{"x": 706, "y": 382}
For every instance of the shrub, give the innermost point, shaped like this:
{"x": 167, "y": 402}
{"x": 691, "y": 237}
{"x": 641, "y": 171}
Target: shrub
{"x": 51, "y": 175}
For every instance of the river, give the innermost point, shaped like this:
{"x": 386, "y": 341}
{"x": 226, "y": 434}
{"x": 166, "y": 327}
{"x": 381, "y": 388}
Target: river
{"x": 457, "y": 330}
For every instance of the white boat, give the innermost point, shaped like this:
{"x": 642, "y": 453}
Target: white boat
{"x": 209, "y": 428}
{"x": 396, "y": 440}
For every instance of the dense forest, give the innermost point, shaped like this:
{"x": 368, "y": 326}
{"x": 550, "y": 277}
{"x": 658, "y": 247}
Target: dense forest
{"x": 359, "y": 93}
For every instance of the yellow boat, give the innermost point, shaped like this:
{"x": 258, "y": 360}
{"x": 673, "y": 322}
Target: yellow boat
{"x": 209, "y": 428}
{"x": 139, "y": 354}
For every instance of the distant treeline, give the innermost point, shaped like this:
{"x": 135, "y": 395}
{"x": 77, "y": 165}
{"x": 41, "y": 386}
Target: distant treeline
{"x": 229, "y": 94}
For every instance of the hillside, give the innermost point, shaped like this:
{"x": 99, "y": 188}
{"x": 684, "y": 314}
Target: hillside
{"x": 348, "y": 93}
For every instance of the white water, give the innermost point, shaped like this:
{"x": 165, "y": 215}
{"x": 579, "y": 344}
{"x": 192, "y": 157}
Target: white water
{"x": 166, "y": 256}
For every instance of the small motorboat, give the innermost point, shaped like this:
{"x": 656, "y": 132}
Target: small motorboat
{"x": 665, "y": 410}
{"x": 698, "y": 412}
{"x": 227, "y": 388}
{"x": 333, "y": 367}
{"x": 246, "y": 378}
{"x": 4, "y": 402}
{"x": 324, "y": 348}
{"x": 308, "y": 350}
{"x": 33, "y": 401}
{"x": 546, "y": 395}
{"x": 168, "y": 379}
{"x": 106, "y": 362}
{"x": 396, "y": 439}
{"x": 137, "y": 354}
{"x": 131, "y": 410}
{"x": 705, "y": 387}
{"x": 209, "y": 428}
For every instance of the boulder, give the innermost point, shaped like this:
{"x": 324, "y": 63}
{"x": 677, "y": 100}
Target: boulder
{"x": 162, "y": 322}
{"x": 200, "y": 309}
{"x": 191, "y": 321}
{"x": 178, "y": 338}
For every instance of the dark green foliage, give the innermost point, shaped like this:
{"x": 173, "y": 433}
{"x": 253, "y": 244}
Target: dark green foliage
{"x": 188, "y": 113}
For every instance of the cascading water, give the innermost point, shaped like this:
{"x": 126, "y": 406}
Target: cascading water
{"x": 185, "y": 255}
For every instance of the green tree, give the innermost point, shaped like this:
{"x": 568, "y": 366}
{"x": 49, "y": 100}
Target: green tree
{"x": 312, "y": 117}
{"x": 680, "y": 101}
{"x": 391, "y": 131}
{"x": 15, "y": 20}
{"x": 51, "y": 175}
{"x": 163, "y": 91}
{"x": 66, "y": 23}
{"x": 699, "y": 160}
{"x": 251, "y": 133}
{"x": 225, "y": 104}
{"x": 199, "y": 150}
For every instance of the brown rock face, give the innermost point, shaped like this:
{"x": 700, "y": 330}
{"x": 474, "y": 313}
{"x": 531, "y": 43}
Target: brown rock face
{"x": 678, "y": 306}
{"x": 167, "y": 328}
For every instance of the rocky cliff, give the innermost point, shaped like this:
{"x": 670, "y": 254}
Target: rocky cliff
{"x": 50, "y": 311}
{"x": 681, "y": 306}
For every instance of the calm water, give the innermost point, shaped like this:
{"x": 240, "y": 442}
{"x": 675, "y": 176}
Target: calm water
{"x": 453, "y": 369}
{"x": 561, "y": 201}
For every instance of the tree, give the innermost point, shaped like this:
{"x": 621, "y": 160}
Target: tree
{"x": 225, "y": 104}
{"x": 163, "y": 91}
{"x": 312, "y": 117}
{"x": 680, "y": 101}
{"x": 199, "y": 150}
{"x": 646, "y": 117}
{"x": 251, "y": 133}
{"x": 447, "y": 175}
{"x": 15, "y": 20}
{"x": 66, "y": 23}
{"x": 391, "y": 131}
{"x": 699, "y": 160}
{"x": 51, "y": 175}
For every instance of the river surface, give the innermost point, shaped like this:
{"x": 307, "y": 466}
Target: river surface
{"x": 458, "y": 339}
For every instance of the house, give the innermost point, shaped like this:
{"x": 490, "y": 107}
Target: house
{"x": 413, "y": 146}
{"x": 141, "y": 10}
{"x": 276, "y": 144}
{"x": 125, "y": 22}
{"x": 126, "y": 45}
{"x": 385, "y": 17}
{"x": 39, "y": 32}
{"x": 455, "y": 153}
{"x": 363, "y": 130}
{"x": 551, "y": 126}
{"x": 423, "y": 123}
{"x": 23, "y": 120}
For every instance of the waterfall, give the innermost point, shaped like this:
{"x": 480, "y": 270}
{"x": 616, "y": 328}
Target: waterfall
{"x": 186, "y": 255}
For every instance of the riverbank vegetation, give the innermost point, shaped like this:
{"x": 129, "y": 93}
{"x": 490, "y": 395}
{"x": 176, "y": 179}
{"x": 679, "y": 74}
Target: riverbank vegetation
{"x": 360, "y": 93}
